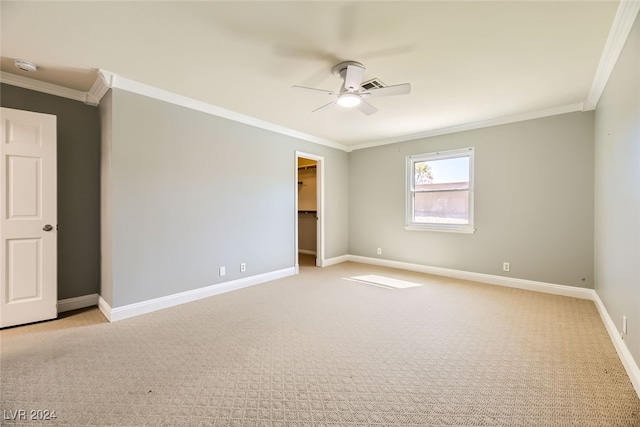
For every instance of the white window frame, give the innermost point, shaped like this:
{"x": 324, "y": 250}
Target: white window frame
{"x": 410, "y": 191}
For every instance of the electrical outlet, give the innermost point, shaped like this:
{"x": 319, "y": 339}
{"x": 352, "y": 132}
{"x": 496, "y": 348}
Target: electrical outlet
{"x": 506, "y": 266}
{"x": 223, "y": 271}
{"x": 243, "y": 267}
{"x": 379, "y": 251}
{"x": 624, "y": 325}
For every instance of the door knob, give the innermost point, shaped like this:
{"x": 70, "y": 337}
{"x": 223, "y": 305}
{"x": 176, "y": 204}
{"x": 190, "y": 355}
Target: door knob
{"x": 47, "y": 227}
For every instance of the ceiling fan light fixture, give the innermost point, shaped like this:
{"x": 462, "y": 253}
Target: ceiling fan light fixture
{"x": 348, "y": 100}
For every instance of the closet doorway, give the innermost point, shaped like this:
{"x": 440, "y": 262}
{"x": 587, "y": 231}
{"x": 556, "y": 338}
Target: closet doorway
{"x": 309, "y": 229}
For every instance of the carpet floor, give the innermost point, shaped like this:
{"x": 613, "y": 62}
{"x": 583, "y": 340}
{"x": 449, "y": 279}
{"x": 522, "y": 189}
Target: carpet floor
{"x": 317, "y": 350}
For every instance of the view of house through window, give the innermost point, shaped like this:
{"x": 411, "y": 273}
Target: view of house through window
{"x": 440, "y": 190}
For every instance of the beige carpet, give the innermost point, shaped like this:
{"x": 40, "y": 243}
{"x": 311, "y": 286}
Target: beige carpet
{"x": 318, "y": 350}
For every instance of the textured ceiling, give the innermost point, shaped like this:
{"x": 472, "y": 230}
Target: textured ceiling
{"x": 467, "y": 61}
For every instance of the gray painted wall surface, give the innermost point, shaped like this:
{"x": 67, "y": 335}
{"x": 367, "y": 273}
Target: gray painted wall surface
{"x": 78, "y": 151}
{"x": 192, "y": 192}
{"x": 617, "y": 193}
{"x": 533, "y": 202}
{"x": 106, "y": 280}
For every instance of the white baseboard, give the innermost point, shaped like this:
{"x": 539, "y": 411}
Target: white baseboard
{"x": 511, "y": 282}
{"x": 124, "y": 312}
{"x": 307, "y": 252}
{"x": 333, "y": 261}
{"x": 77, "y": 302}
{"x": 625, "y": 356}
{"x": 104, "y": 308}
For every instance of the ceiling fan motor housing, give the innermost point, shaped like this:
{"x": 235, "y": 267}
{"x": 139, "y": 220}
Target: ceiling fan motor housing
{"x": 340, "y": 70}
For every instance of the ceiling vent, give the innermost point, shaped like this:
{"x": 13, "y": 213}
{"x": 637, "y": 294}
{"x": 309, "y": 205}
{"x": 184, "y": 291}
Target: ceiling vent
{"x": 374, "y": 83}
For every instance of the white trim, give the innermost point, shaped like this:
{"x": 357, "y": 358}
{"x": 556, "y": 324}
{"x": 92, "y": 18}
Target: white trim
{"x": 104, "y": 308}
{"x": 333, "y": 261}
{"x": 144, "y": 307}
{"x": 444, "y": 228}
{"x": 410, "y": 191}
{"x": 84, "y": 301}
{"x": 107, "y": 79}
{"x": 37, "y": 85}
{"x": 563, "y": 109}
{"x": 626, "y": 358}
{"x": 511, "y": 282}
{"x": 128, "y": 85}
{"x": 622, "y": 24}
{"x": 97, "y": 91}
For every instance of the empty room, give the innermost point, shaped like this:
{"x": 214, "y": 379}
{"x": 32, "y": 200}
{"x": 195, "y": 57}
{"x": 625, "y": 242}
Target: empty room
{"x": 320, "y": 213}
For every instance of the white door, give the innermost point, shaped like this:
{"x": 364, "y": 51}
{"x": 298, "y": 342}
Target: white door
{"x": 28, "y": 224}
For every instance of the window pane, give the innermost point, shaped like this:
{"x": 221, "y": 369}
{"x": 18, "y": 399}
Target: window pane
{"x": 441, "y": 207}
{"x": 441, "y": 174}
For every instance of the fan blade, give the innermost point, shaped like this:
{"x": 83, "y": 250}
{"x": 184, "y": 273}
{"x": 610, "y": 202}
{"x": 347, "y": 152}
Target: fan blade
{"x": 304, "y": 50}
{"x": 314, "y": 90}
{"x": 390, "y": 51}
{"x": 347, "y": 23}
{"x": 324, "y": 107}
{"x": 366, "y": 108}
{"x": 389, "y": 90}
{"x": 353, "y": 78}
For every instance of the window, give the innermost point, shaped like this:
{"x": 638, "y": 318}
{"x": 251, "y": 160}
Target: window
{"x": 440, "y": 191}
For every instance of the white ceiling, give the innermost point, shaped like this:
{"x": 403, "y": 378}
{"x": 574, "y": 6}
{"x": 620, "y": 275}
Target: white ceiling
{"x": 467, "y": 61}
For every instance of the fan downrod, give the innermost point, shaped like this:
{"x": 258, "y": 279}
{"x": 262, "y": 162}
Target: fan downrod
{"x": 341, "y": 69}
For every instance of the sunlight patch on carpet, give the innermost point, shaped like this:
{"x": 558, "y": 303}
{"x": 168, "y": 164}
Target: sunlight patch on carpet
{"x": 383, "y": 282}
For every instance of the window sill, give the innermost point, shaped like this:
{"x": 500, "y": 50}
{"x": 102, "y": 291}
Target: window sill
{"x": 446, "y": 229}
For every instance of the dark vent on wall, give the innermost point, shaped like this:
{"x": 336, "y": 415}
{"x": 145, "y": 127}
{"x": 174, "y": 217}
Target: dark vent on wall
{"x": 372, "y": 84}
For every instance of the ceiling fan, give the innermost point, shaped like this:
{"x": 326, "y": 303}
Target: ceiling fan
{"x": 350, "y": 94}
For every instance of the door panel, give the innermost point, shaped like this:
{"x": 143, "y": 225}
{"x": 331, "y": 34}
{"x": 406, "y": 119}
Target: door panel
{"x": 24, "y": 197}
{"x": 24, "y": 270}
{"x": 28, "y": 227}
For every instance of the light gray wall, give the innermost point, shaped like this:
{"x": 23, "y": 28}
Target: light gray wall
{"x": 617, "y": 193}
{"x": 533, "y": 202}
{"x": 192, "y": 192}
{"x": 78, "y": 153}
{"x": 106, "y": 279}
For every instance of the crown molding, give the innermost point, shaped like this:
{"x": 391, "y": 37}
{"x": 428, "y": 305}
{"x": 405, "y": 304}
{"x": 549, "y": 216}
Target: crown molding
{"x": 620, "y": 28}
{"x": 119, "y": 82}
{"x": 97, "y": 91}
{"x": 51, "y": 89}
{"x": 563, "y": 109}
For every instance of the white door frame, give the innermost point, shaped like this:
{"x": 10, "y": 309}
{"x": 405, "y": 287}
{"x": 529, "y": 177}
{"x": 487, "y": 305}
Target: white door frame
{"x": 320, "y": 207}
